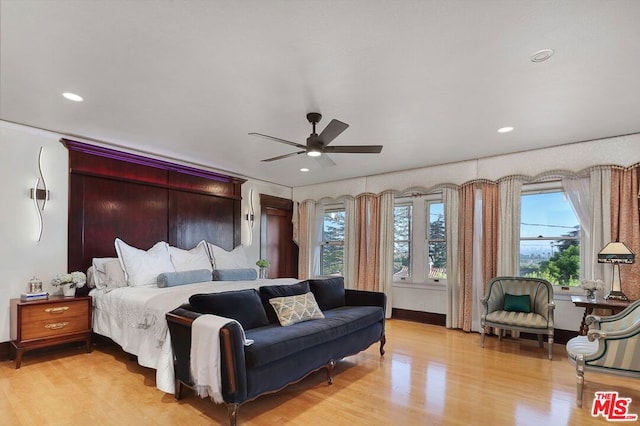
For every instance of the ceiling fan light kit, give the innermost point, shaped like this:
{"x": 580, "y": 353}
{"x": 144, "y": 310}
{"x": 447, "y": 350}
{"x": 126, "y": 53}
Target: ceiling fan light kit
{"x": 317, "y": 145}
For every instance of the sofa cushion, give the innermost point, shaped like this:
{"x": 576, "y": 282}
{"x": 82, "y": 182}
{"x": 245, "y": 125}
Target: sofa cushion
{"x": 274, "y": 342}
{"x": 243, "y": 306}
{"x": 294, "y": 309}
{"x": 329, "y": 293}
{"x": 270, "y": 291}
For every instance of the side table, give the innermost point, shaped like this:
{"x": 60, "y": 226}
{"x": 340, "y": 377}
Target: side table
{"x": 44, "y": 323}
{"x": 590, "y": 304}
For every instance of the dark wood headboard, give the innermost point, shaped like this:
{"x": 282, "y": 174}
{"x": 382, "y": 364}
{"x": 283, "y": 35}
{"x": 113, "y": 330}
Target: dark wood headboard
{"x": 142, "y": 201}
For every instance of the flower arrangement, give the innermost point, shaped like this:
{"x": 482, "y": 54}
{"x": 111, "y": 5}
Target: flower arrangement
{"x": 591, "y": 286}
{"x": 75, "y": 279}
{"x": 263, "y": 263}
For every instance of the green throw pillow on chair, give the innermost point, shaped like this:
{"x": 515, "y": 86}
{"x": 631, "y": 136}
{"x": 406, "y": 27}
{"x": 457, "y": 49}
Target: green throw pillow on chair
{"x": 515, "y": 303}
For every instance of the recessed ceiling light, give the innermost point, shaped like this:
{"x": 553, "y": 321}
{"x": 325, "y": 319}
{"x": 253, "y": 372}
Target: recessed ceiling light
{"x": 304, "y": 169}
{"x": 505, "y": 129}
{"x": 73, "y": 97}
{"x": 541, "y": 55}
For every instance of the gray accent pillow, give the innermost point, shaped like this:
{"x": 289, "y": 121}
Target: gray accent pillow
{"x": 171, "y": 279}
{"x": 243, "y": 274}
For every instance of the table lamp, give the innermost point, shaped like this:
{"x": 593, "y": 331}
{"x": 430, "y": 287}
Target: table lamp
{"x": 616, "y": 253}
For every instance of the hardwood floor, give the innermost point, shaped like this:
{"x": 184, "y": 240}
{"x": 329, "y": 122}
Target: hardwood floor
{"x": 429, "y": 376}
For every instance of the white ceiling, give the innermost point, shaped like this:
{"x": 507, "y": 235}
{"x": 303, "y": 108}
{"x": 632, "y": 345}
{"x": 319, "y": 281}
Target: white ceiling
{"x": 432, "y": 81}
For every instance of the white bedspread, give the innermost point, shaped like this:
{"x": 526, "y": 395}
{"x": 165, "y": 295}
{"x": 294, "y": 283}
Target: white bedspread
{"x": 134, "y": 318}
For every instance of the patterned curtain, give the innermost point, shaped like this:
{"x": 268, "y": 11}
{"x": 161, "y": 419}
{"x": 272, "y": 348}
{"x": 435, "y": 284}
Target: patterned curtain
{"x": 350, "y": 246}
{"x": 478, "y": 245}
{"x": 367, "y": 241}
{"x": 465, "y": 260}
{"x": 625, "y": 223}
{"x": 490, "y": 216}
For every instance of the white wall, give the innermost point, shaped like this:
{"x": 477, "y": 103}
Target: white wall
{"x": 622, "y": 151}
{"x": 22, "y": 256}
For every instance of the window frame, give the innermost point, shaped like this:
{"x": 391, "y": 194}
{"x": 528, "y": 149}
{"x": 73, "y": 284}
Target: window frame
{"x": 430, "y": 200}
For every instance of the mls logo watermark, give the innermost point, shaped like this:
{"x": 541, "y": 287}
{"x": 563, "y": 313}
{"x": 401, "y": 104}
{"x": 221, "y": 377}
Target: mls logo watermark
{"x": 612, "y": 407}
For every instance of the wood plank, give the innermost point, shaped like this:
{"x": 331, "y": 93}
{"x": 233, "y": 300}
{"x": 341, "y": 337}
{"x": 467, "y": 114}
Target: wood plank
{"x": 429, "y": 375}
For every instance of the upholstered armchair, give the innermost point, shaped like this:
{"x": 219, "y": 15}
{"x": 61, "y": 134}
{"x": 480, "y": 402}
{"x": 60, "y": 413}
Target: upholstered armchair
{"x": 520, "y": 304}
{"x": 612, "y": 345}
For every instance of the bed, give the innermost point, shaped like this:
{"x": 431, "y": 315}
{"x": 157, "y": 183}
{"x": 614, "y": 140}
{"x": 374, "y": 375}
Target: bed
{"x": 134, "y": 318}
{"x": 143, "y": 201}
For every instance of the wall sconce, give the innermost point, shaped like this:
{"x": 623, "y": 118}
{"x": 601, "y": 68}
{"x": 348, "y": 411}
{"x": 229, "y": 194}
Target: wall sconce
{"x": 250, "y": 216}
{"x": 616, "y": 253}
{"x": 40, "y": 194}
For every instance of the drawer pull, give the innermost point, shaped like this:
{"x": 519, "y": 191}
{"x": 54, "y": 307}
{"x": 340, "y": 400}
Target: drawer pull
{"x": 56, "y": 326}
{"x": 57, "y": 310}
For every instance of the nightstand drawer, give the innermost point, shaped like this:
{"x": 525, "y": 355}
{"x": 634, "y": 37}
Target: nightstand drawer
{"x": 54, "y": 312}
{"x": 54, "y": 327}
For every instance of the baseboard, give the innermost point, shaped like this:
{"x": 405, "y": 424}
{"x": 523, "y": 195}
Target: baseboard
{"x": 559, "y": 336}
{"x": 419, "y": 316}
{"x": 4, "y": 351}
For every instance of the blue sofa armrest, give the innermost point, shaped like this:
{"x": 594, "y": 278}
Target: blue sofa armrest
{"x": 365, "y": 298}
{"x": 233, "y": 372}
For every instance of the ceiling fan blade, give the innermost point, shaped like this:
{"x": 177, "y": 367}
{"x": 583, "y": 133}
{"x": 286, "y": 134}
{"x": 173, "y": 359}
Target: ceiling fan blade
{"x": 297, "y": 145}
{"x": 280, "y": 157}
{"x": 332, "y": 131}
{"x": 354, "y": 149}
{"x": 325, "y": 161}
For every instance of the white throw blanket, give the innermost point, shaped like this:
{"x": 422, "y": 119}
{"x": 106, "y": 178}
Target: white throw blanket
{"x": 205, "y": 355}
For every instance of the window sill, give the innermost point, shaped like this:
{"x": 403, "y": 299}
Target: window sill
{"x": 439, "y": 286}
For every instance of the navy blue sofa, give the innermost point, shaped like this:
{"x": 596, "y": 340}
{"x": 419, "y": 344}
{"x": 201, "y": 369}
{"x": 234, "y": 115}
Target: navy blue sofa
{"x": 353, "y": 321}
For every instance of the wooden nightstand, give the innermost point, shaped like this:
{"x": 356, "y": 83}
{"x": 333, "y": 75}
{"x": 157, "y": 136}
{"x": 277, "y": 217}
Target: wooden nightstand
{"x": 43, "y": 323}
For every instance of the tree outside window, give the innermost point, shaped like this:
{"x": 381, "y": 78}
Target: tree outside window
{"x": 332, "y": 253}
{"x": 549, "y": 238}
{"x": 436, "y": 241}
{"x": 402, "y": 241}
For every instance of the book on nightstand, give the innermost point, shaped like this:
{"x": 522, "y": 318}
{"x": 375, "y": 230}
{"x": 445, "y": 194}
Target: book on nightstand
{"x": 25, "y": 297}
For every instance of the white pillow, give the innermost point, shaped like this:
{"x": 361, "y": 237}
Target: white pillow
{"x": 235, "y": 259}
{"x": 141, "y": 267}
{"x": 108, "y": 273}
{"x": 191, "y": 260}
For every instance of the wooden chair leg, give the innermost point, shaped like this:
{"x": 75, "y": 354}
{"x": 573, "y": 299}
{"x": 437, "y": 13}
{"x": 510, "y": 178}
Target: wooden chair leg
{"x": 482, "y": 331}
{"x": 550, "y": 344}
{"x": 579, "y": 379}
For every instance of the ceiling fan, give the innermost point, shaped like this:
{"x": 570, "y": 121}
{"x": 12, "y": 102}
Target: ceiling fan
{"x": 317, "y": 145}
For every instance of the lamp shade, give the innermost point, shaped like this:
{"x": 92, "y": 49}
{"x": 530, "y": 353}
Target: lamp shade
{"x": 616, "y": 252}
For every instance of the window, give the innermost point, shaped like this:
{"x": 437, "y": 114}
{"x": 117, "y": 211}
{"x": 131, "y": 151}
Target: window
{"x": 402, "y": 241}
{"x": 332, "y": 253}
{"x": 436, "y": 241}
{"x": 549, "y": 236}
{"x": 420, "y": 248}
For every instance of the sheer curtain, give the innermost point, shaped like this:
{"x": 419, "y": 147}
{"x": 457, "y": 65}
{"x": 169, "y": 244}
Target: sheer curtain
{"x": 600, "y": 232}
{"x": 508, "y": 263}
{"x": 350, "y": 243}
{"x": 451, "y": 208}
{"x": 387, "y": 231}
{"x": 309, "y": 237}
{"x": 577, "y": 191}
